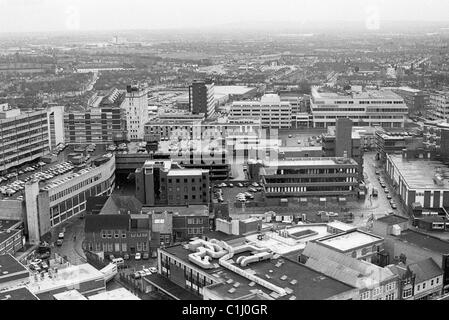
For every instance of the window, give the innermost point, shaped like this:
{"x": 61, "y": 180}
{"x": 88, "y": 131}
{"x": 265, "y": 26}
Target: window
{"x": 390, "y": 296}
{"x": 365, "y": 295}
{"x": 431, "y": 282}
{"x": 424, "y": 285}
{"x": 407, "y": 293}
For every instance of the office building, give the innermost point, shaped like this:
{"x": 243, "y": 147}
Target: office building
{"x": 416, "y": 100}
{"x": 344, "y": 141}
{"x": 136, "y": 111}
{"x": 395, "y": 142}
{"x": 273, "y": 112}
{"x": 165, "y": 183}
{"x": 105, "y": 124}
{"x": 368, "y": 108}
{"x": 201, "y": 98}
{"x": 438, "y": 105}
{"x": 65, "y": 197}
{"x": 27, "y": 136}
{"x": 436, "y": 138}
{"x": 287, "y": 180}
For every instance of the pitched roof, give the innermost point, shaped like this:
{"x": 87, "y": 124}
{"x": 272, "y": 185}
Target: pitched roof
{"x": 121, "y": 204}
{"x": 425, "y": 270}
{"x": 96, "y": 223}
{"x": 357, "y": 273}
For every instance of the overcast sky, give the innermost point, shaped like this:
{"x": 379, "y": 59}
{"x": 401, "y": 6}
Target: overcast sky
{"x": 85, "y": 15}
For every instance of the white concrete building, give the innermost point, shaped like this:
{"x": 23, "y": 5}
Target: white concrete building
{"x": 270, "y": 109}
{"x": 439, "y": 105}
{"x": 365, "y": 108}
{"x": 136, "y": 111}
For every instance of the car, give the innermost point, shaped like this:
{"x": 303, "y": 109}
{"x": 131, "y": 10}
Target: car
{"x": 332, "y": 214}
{"x": 153, "y": 270}
{"x": 61, "y": 235}
{"x": 252, "y": 190}
{"x": 126, "y": 256}
{"x": 299, "y": 142}
{"x": 389, "y": 197}
{"x": 145, "y": 256}
{"x": 377, "y": 172}
{"x": 231, "y": 185}
{"x": 147, "y": 272}
{"x": 255, "y": 184}
{"x": 290, "y": 136}
{"x": 111, "y": 257}
{"x": 136, "y": 275}
{"x": 393, "y": 205}
{"x": 240, "y": 185}
{"x": 138, "y": 256}
{"x": 59, "y": 242}
{"x": 387, "y": 191}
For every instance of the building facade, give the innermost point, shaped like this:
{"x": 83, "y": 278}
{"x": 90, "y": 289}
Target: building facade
{"x": 60, "y": 200}
{"x": 103, "y": 125}
{"x": 27, "y": 136}
{"x": 439, "y": 105}
{"x": 136, "y": 110}
{"x": 273, "y": 112}
{"x": 164, "y": 183}
{"x": 370, "y": 108}
{"x": 201, "y": 98}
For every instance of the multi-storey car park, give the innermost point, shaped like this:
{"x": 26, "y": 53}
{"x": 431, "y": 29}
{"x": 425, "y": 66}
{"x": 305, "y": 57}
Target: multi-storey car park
{"x": 50, "y": 204}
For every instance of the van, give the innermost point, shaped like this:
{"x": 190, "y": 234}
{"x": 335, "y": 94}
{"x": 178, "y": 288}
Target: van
{"x": 375, "y": 192}
{"x": 118, "y": 262}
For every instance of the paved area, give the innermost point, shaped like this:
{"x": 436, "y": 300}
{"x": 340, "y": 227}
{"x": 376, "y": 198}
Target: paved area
{"x": 73, "y": 240}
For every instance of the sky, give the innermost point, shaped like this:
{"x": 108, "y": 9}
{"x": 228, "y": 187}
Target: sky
{"x": 87, "y": 15}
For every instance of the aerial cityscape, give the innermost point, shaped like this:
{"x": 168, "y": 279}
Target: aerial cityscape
{"x": 291, "y": 158}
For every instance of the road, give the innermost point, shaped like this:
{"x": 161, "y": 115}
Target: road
{"x": 73, "y": 240}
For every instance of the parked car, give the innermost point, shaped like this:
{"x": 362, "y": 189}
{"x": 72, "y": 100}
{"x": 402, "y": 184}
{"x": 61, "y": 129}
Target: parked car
{"x": 138, "y": 256}
{"x": 153, "y": 270}
{"x": 59, "y": 242}
{"x": 126, "y": 256}
{"x": 146, "y": 256}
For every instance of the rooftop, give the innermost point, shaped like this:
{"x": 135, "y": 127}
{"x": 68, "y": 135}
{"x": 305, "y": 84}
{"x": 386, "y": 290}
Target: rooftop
{"x": 233, "y": 90}
{"x": 425, "y": 270}
{"x": 115, "y": 295}
{"x": 350, "y": 240}
{"x": 419, "y": 173}
{"x": 18, "y": 294}
{"x": 69, "y": 295}
{"x": 191, "y": 210}
{"x": 392, "y": 219}
{"x": 185, "y": 172}
{"x": 424, "y": 241}
{"x": 290, "y": 239}
{"x": 6, "y": 224}
{"x": 67, "y": 277}
{"x": 10, "y": 266}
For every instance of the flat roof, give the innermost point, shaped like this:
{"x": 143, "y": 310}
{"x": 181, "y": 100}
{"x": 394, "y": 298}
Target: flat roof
{"x": 300, "y": 235}
{"x": 69, "y": 295}
{"x": 232, "y": 90}
{"x": 6, "y": 224}
{"x": 18, "y": 294}
{"x": 349, "y": 241}
{"x": 170, "y": 287}
{"x": 191, "y": 210}
{"x": 419, "y": 173}
{"x": 425, "y": 241}
{"x": 10, "y": 265}
{"x": 117, "y": 294}
{"x": 185, "y": 172}
{"x": 306, "y": 162}
{"x": 67, "y": 277}
{"x": 300, "y": 282}
{"x": 392, "y": 219}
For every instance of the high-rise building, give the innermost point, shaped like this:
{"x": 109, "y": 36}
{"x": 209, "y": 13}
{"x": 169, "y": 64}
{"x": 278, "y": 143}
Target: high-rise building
{"x": 201, "y": 98}
{"x": 136, "y": 109}
{"x": 27, "y": 136}
{"x": 101, "y": 125}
